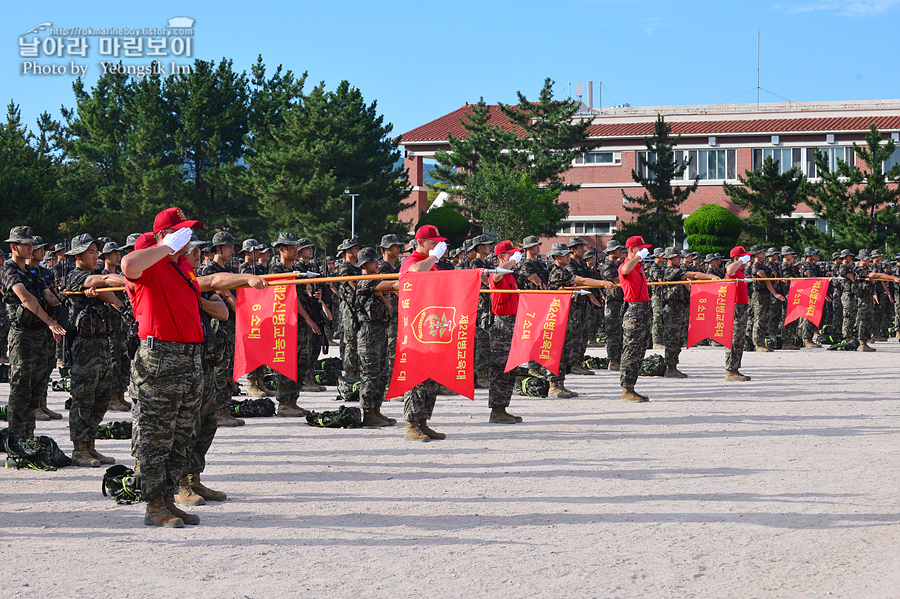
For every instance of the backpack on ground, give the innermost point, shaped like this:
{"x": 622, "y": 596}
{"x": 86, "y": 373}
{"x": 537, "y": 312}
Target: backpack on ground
{"x": 344, "y": 417}
{"x": 773, "y": 342}
{"x": 845, "y": 345}
{"x": 532, "y": 386}
{"x": 38, "y": 453}
{"x": 122, "y": 484}
{"x": 595, "y": 363}
{"x": 252, "y": 408}
{"x": 328, "y": 378}
{"x": 115, "y": 430}
{"x": 653, "y": 365}
{"x": 334, "y": 364}
{"x": 348, "y": 388}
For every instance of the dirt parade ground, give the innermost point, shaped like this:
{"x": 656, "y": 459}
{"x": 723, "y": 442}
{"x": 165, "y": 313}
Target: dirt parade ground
{"x": 786, "y": 486}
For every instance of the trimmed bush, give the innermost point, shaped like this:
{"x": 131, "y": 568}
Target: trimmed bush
{"x": 452, "y": 225}
{"x": 712, "y": 228}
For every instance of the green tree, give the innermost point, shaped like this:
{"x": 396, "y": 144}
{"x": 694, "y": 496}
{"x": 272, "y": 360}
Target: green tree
{"x": 658, "y": 218}
{"x": 712, "y": 228}
{"x": 452, "y": 225}
{"x": 769, "y": 196}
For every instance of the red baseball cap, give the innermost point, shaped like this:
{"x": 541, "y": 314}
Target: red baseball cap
{"x": 505, "y": 247}
{"x": 738, "y": 252}
{"x": 144, "y": 241}
{"x": 637, "y": 242}
{"x": 429, "y": 232}
{"x": 173, "y": 218}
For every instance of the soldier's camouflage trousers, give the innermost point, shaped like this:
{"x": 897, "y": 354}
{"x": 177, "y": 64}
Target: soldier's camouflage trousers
{"x": 371, "y": 343}
{"x": 350, "y": 353}
{"x": 502, "y": 383}
{"x": 225, "y": 366}
{"x": 418, "y": 402}
{"x": 734, "y": 355}
{"x": 586, "y": 329}
{"x": 167, "y": 397}
{"x": 91, "y": 386}
{"x": 205, "y": 431}
{"x": 121, "y": 364}
{"x": 28, "y": 376}
{"x": 636, "y": 324}
{"x": 613, "y": 322}
{"x": 482, "y": 349}
{"x": 676, "y": 316}
{"x": 4, "y": 334}
{"x": 848, "y": 303}
{"x": 837, "y": 312}
{"x": 762, "y": 306}
{"x": 658, "y": 327}
{"x": 287, "y": 390}
{"x": 391, "y": 343}
{"x": 865, "y": 314}
{"x": 807, "y": 330}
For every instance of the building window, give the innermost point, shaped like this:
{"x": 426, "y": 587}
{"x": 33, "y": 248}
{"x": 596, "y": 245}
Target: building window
{"x": 599, "y": 158}
{"x": 832, "y": 155}
{"x": 586, "y": 228}
{"x": 707, "y": 164}
{"x": 787, "y": 158}
{"x": 893, "y": 160}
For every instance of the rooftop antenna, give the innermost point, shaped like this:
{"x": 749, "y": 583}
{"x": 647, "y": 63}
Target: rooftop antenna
{"x": 757, "y": 70}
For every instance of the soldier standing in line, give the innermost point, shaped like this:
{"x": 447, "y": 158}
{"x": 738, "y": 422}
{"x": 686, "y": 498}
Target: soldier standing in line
{"x": 809, "y": 269}
{"x": 287, "y": 392}
{"x": 883, "y": 299}
{"x": 734, "y": 356}
{"x": 582, "y": 306}
{"x": 44, "y": 413}
{"x": 27, "y": 300}
{"x": 595, "y": 308}
{"x": 637, "y": 319}
{"x": 763, "y": 295}
{"x": 532, "y": 274}
{"x": 349, "y": 250}
{"x": 4, "y": 321}
{"x": 223, "y": 250}
{"x": 454, "y": 257}
{"x": 95, "y": 318}
{"x": 467, "y": 256}
{"x": 676, "y": 313}
{"x": 837, "y": 293}
{"x": 864, "y": 290}
{"x": 773, "y": 257}
{"x": 655, "y": 274}
{"x": 373, "y": 311}
{"x": 312, "y": 303}
{"x": 390, "y": 248}
{"x": 503, "y": 307}
{"x": 121, "y": 363}
{"x": 481, "y": 245}
{"x": 263, "y": 255}
{"x": 788, "y": 269}
{"x": 714, "y": 265}
{"x": 848, "y": 296}
{"x": 614, "y": 310}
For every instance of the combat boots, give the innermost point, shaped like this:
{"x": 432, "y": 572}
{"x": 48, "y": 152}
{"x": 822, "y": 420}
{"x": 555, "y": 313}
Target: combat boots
{"x": 118, "y": 403}
{"x": 562, "y": 383}
{"x": 579, "y": 368}
{"x": 789, "y": 345}
{"x": 291, "y": 409}
{"x": 309, "y": 385}
{"x": 372, "y": 419}
{"x": 630, "y": 395}
{"x": 535, "y": 372}
{"x": 614, "y": 365}
{"x": 810, "y": 343}
{"x": 556, "y": 390}
{"x": 763, "y": 348}
{"x": 97, "y": 455}
{"x": 41, "y": 416}
{"x": 51, "y": 415}
{"x": 186, "y": 495}
{"x": 158, "y": 515}
{"x": 423, "y": 426}
{"x": 202, "y": 490}
{"x": 482, "y": 380}
{"x": 254, "y": 389}
{"x": 658, "y": 346}
{"x": 189, "y": 519}
{"x": 501, "y": 416}
{"x": 81, "y": 456}
{"x": 415, "y": 433}
{"x": 864, "y": 346}
{"x": 223, "y": 418}
{"x": 734, "y": 375}
{"x": 673, "y": 373}
{"x": 390, "y": 421}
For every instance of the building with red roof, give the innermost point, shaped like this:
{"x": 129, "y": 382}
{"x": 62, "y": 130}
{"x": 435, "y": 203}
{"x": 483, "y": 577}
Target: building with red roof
{"x": 723, "y": 141}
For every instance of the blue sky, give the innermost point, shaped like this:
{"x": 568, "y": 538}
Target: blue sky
{"x": 420, "y": 60}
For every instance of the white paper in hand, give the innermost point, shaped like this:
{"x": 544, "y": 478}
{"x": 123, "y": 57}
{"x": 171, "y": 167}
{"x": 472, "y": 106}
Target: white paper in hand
{"x": 438, "y": 250}
{"x": 178, "y": 239}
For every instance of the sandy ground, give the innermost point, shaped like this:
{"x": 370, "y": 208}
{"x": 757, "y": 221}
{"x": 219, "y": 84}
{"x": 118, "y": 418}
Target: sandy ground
{"x": 785, "y": 486}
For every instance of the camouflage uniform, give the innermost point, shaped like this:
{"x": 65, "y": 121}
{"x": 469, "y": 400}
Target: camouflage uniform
{"x": 225, "y": 332}
{"x": 613, "y": 313}
{"x": 865, "y": 303}
{"x": 385, "y": 268}
{"x": 502, "y": 383}
{"x": 761, "y": 302}
{"x": 582, "y": 306}
{"x": 655, "y": 273}
{"x": 95, "y": 322}
{"x": 808, "y": 270}
{"x": 371, "y": 343}
{"x": 735, "y": 355}
{"x": 28, "y": 370}
{"x": 636, "y": 323}
{"x": 675, "y": 314}
{"x": 559, "y": 278}
{"x": 483, "y": 327}
{"x": 848, "y": 301}
{"x": 207, "y": 424}
{"x": 349, "y": 323}
{"x": 418, "y": 402}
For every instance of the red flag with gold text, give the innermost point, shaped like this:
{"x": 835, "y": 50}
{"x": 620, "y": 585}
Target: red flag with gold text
{"x": 712, "y": 313}
{"x": 806, "y": 299}
{"x": 266, "y": 332}
{"x": 436, "y": 330}
{"x": 540, "y": 330}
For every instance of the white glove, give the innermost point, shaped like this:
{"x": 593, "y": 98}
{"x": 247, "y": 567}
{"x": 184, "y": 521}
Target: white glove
{"x": 439, "y": 250}
{"x": 745, "y": 259}
{"x": 177, "y": 240}
{"x": 644, "y": 253}
{"x": 516, "y": 257}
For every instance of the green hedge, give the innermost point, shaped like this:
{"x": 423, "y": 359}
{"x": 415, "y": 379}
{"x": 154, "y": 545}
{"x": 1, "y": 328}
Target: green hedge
{"x": 711, "y": 219}
{"x": 713, "y": 240}
{"x": 452, "y": 225}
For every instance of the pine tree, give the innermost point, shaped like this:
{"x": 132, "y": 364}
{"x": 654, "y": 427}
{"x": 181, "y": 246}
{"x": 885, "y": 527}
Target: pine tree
{"x": 658, "y": 218}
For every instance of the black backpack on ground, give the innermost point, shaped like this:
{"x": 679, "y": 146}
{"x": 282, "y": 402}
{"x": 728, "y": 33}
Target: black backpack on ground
{"x": 38, "y": 453}
{"x": 344, "y": 417}
{"x": 532, "y": 386}
{"x": 348, "y": 389}
{"x": 122, "y": 484}
{"x": 252, "y": 408}
{"x": 653, "y": 365}
{"x": 115, "y": 430}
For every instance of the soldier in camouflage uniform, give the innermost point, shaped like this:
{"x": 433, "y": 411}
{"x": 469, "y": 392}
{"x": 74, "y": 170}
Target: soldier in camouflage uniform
{"x": 504, "y": 307}
{"x": 4, "y": 321}
{"x": 287, "y": 391}
{"x": 346, "y": 290}
{"x": 883, "y": 299}
{"x": 773, "y": 327}
{"x": 121, "y": 363}
{"x": 676, "y": 312}
{"x": 764, "y": 294}
{"x": 614, "y": 309}
{"x": 864, "y": 290}
{"x": 657, "y": 297}
{"x": 314, "y": 306}
{"x": 595, "y": 309}
{"x": 788, "y": 269}
{"x": 373, "y": 311}
{"x": 482, "y": 247}
{"x": 808, "y": 269}
{"x": 390, "y": 248}
{"x": 638, "y": 317}
{"x": 95, "y": 318}
{"x": 44, "y": 413}
{"x": 223, "y": 250}
{"x": 532, "y": 274}
{"x": 27, "y": 300}
{"x": 582, "y": 305}
{"x": 848, "y": 296}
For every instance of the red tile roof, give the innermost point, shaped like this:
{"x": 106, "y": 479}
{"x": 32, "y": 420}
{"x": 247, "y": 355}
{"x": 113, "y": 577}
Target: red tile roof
{"x": 438, "y": 129}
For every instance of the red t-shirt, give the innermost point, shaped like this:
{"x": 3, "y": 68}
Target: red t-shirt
{"x": 167, "y": 302}
{"x": 413, "y": 259}
{"x": 504, "y": 303}
{"x": 740, "y": 294}
{"x": 634, "y": 284}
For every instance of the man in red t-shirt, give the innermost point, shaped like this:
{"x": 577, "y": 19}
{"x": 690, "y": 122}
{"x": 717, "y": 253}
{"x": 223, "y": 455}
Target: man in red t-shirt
{"x": 165, "y": 384}
{"x": 638, "y": 317}
{"x": 733, "y": 356}
{"x": 504, "y": 307}
{"x": 418, "y": 402}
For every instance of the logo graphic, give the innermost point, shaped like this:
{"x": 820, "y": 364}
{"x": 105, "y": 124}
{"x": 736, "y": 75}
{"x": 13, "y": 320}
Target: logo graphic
{"x": 180, "y": 214}
{"x": 39, "y": 28}
{"x": 434, "y": 324}
{"x": 181, "y": 22}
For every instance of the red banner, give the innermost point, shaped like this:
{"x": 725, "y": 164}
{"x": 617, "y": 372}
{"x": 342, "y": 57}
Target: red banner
{"x": 712, "y": 313}
{"x": 540, "y": 330}
{"x": 266, "y": 330}
{"x": 435, "y": 330}
{"x": 806, "y": 299}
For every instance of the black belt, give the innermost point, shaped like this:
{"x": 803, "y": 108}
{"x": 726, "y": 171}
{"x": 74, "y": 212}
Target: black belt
{"x": 169, "y": 346}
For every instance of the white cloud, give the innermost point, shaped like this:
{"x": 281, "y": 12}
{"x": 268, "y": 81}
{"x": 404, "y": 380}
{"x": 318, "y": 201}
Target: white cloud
{"x": 853, "y": 8}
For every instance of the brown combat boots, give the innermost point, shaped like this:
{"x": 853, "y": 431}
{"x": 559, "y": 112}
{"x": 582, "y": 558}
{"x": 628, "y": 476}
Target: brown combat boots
{"x": 630, "y": 395}
{"x": 310, "y": 385}
{"x": 556, "y": 390}
{"x": 864, "y": 346}
{"x": 423, "y": 426}
{"x": 158, "y": 515}
{"x": 372, "y": 419}
{"x": 186, "y": 494}
{"x": 97, "y": 455}
{"x": 579, "y": 368}
{"x": 189, "y": 519}
{"x": 501, "y": 416}
{"x": 562, "y": 383}
{"x": 415, "y": 433}
{"x": 202, "y": 490}
{"x": 223, "y": 418}
{"x": 81, "y": 456}
{"x": 254, "y": 388}
{"x": 734, "y": 375}
{"x": 53, "y": 415}
{"x": 673, "y": 373}
{"x": 390, "y": 421}
{"x": 810, "y": 343}
{"x": 118, "y": 403}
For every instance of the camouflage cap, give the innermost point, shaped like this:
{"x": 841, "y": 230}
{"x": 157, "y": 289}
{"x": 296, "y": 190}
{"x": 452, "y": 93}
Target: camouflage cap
{"x": 303, "y": 242}
{"x": 612, "y": 245}
{"x": 481, "y": 240}
{"x": 38, "y": 242}
{"x": 59, "y": 247}
{"x": 772, "y": 251}
{"x": 558, "y": 249}
{"x": 875, "y": 253}
{"x": 223, "y": 238}
{"x": 576, "y": 241}
{"x": 672, "y": 252}
{"x": 810, "y": 251}
{"x": 110, "y": 246}
{"x": 757, "y": 249}
{"x": 366, "y": 255}
{"x": 845, "y": 253}
{"x": 347, "y": 244}
{"x": 455, "y": 252}
{"x": 249, "y": 245}
{"x": 263, "y": 248}
{"x": 389, "y": 240}
{"x": 285, "y": 238}
{"x": 411, "y": 246}
{"x": 20, "y": 235}
{"x": 129, "y": 241}
{"x": 787, "y": 250}
{"x": 863, "y": 255}
{"x": 589, "y": 254}
{"x": 685, "y": 253}
{"x": 658, "y": 252}
{"x": 80, "y": 244}
{"x": 530, "y": 241}
{"x": 195, "y": 242}
{"x": 713, "y": 256}
{"x": 833, "y": 255}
